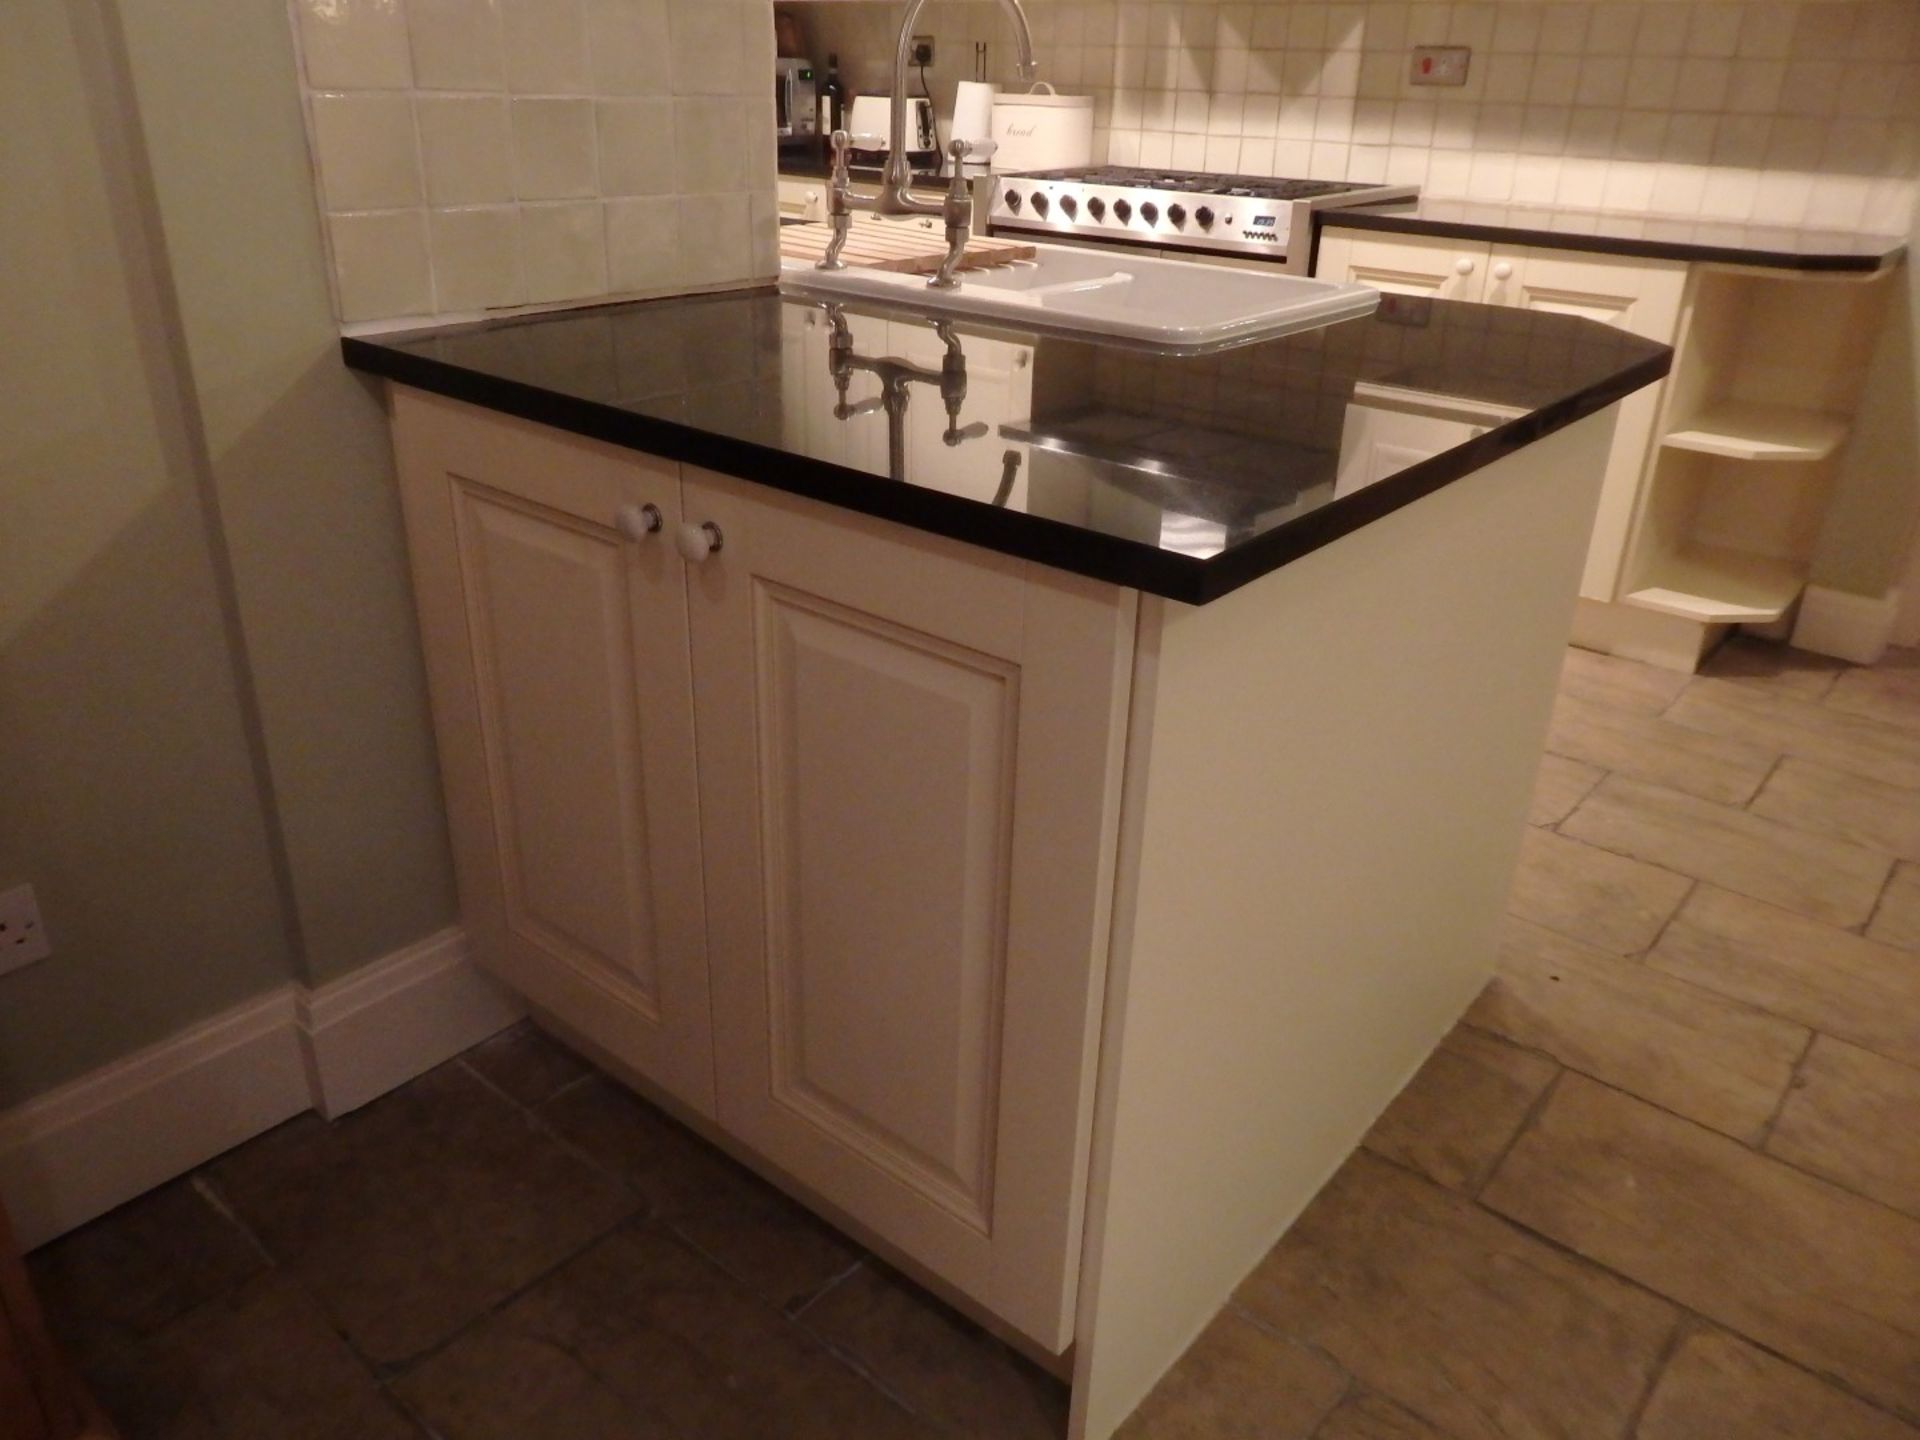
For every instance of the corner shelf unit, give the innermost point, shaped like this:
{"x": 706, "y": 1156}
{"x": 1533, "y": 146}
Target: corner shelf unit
{"x": 1765, "y": 383}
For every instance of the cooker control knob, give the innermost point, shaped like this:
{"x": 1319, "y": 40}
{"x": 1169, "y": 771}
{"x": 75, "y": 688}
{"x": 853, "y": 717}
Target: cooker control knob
{"x": 1177, "y": 214}
{"x": 1097, "y": 208}
{"x": 1204, "y": 215}
{"x": 1040, "y": 206}
{"x": 1122, "y": 211}
{"x": 1013, "y": 201}
{"x": 1069, "y": 206}
{"x": 1150, "y": 213}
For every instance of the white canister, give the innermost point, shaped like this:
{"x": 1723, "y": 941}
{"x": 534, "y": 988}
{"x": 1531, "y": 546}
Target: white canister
{"x": 973, "y": 111}
{"x": 1042, "y": 131}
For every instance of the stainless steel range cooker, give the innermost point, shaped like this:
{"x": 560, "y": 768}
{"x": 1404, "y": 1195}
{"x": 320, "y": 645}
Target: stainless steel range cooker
{"x": 1247, "y": 215}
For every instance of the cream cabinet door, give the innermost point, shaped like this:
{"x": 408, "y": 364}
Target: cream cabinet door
{"x": 1641, "y": 296}
{"x": 556, "y": 641}
{"x": 909, "y": 764}
{"x": 1437, "y": 268}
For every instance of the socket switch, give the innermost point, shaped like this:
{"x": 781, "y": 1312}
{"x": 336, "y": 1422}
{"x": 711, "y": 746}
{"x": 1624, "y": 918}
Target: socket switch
{"x": 1440, "y": 65}
{"x": 23, "y": 939}
{"x": 923, "y": 50}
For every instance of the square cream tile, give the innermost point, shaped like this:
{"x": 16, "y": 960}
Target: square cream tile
{"x": 554, "y": 149}
{"x": 380, "y": 264}
{"x": 546, "y": 44}
{"x": 716, "y": 245}
{"x": 643, "y": 246}
{"x": 563, "y": 250}
{"x": 708, "y": 40}
{"x": 456, "y": 44}
{"x": 630, "y": 48}
{"x": 366, "y": 152}
{"x": 636, "y": 147}
{"x": 353, "y": 44}
{"x": 710, "y": 145}
{"x": 466, "y": 145}
{"x": 476, "y": 259}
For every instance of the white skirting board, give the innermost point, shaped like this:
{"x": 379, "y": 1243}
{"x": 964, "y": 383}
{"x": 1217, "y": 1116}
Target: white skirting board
{"x": 78, "y": 1151}
{"x": 1848, "y": 627}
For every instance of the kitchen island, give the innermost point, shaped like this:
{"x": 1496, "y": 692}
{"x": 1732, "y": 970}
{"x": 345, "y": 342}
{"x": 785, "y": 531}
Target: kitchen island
{"x": 1036, "y": 800}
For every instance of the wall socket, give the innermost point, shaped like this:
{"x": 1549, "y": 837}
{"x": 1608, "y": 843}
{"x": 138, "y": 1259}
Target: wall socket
{"x": 923, "y": 49}
{"x": 23, "y": 939}
{"x": 1439, "y": 65}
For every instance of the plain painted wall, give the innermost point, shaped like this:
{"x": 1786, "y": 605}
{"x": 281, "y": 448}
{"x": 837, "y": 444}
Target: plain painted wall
{"x": 127, "y": 790}
{"x": 215, "y": 762}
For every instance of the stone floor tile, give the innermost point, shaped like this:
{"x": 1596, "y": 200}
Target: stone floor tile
{"x": 1649, "y": 748}
{"x": 1560, "y": 785}
{"x": 1369, "y": 1417}
{"x": 1897, "y": 919}
{"x": 1605, "y": 899}
{"x": 1799, "y": 969}
{"x": 1825, "y": 801}
{"x": 945, "y": 1368}
{"x": 1854, "y": 1117}
{"x": 526, "y": 1064}
{"x": 1854, "y": 743}
{"x": 1819, "y": 1275}
{"x": 1238, "y": 1382}
{"x": 131, "y": 1271}
{"x": 1429, "y": 1300}
{"x": 1624, "y": 684}
{"x": 1888, "y": 691}
{"x": 1827, "y": 879}
{"x": 1800, "y": 674}
{"x": 642, "y": 1339}
{"x": 1458, "y": 1115}
{"x": 415, "y": 1215}
{"x": 750, "y": 1229}
{"x": 1720, "y": 1386}
{"x": 259, "y": 1361}
{"x": 1691, "y": 1050}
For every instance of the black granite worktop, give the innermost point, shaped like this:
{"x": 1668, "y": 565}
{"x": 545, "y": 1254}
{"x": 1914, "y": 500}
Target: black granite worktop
{"x": 1183, "y": 476}
{"x": 1654, "y": 237}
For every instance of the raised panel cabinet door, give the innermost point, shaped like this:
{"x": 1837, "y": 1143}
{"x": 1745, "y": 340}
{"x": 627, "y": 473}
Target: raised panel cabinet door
{"x": 1439, "y": 269}
{"x": 909, "y": 767}
{"x": 555, "y": 627}
{"x": 1636, "y": 295}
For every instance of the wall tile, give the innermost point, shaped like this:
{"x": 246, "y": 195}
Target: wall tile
{"x": 715, "y": 238}
{"x": 466, "y": 146}
{"x": 456, "y": 44}
{"x": 643, "y": 245}
{"x": 710, "y": 144}
{"x": 554, "y": 149}
{"x": 476, "y": 259}
{"x": 563, "y": 251}
{"x": 637, "y": 147}
{"x": 546, "y": 44}
{"x": 708, "y": 47}
{"x": 380, "y": 263}
{"x": 353, "y": 44}
{"x": 630, "y": 47}
{"x": 368, "y": 159}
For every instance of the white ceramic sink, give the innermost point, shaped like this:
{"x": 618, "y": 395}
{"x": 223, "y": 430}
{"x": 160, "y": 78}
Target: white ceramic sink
{"x": 1169, "y": 304}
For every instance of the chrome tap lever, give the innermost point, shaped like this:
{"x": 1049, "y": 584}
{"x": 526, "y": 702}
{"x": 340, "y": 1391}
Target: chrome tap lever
{"x": 957, "y": 211}
{"x": 839, "y": 211}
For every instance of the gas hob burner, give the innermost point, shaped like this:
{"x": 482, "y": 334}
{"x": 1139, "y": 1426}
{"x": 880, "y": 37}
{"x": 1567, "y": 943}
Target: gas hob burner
{"x": 1179, "y": 210}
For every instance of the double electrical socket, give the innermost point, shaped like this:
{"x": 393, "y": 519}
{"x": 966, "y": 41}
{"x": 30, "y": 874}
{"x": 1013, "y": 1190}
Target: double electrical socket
{"x": 23, "y": 939}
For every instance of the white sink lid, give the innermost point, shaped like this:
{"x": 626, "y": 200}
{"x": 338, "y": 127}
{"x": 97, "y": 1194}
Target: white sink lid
{"x": 1167, "y": 304}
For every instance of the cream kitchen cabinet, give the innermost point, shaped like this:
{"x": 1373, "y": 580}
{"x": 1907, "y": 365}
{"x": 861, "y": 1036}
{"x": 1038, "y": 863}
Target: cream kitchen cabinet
{"x": 871, "y": 946}
{"x": 1638, "y": 295}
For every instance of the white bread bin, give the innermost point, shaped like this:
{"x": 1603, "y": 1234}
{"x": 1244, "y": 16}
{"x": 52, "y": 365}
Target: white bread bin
{"x": 1042, "y": 131}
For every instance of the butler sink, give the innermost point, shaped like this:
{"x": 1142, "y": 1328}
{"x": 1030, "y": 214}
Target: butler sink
{"x": 1166, "y": 304}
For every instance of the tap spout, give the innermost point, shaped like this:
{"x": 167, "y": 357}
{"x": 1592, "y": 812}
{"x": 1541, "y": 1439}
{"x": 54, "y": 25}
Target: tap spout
{"x": 898, "y": 178}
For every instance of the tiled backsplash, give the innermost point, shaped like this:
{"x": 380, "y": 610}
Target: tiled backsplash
{"x": 1779, "y": 111}
{"x": 486, "y": 154}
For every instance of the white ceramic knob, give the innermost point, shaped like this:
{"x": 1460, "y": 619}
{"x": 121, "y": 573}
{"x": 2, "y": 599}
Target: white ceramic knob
{"x": 1463, "y": 266}
{"x": 696, "y": 542}
{"x": 1503, "y": 270}
{"x": 637, "y": 522}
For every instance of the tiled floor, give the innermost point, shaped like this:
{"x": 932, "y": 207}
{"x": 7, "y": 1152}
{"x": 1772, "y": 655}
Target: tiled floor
{"x": 1662, "y": 1184}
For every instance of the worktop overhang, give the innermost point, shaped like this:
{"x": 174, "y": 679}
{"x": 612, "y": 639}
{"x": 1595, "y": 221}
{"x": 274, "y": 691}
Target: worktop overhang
{"x": 567, "y": 389}
{"x": 1690, "y": 240}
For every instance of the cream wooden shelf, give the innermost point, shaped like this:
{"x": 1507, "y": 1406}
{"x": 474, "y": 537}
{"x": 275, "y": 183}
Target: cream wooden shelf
{"x": 1741, "y": 430}
{"x": 1721, "y": 586}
